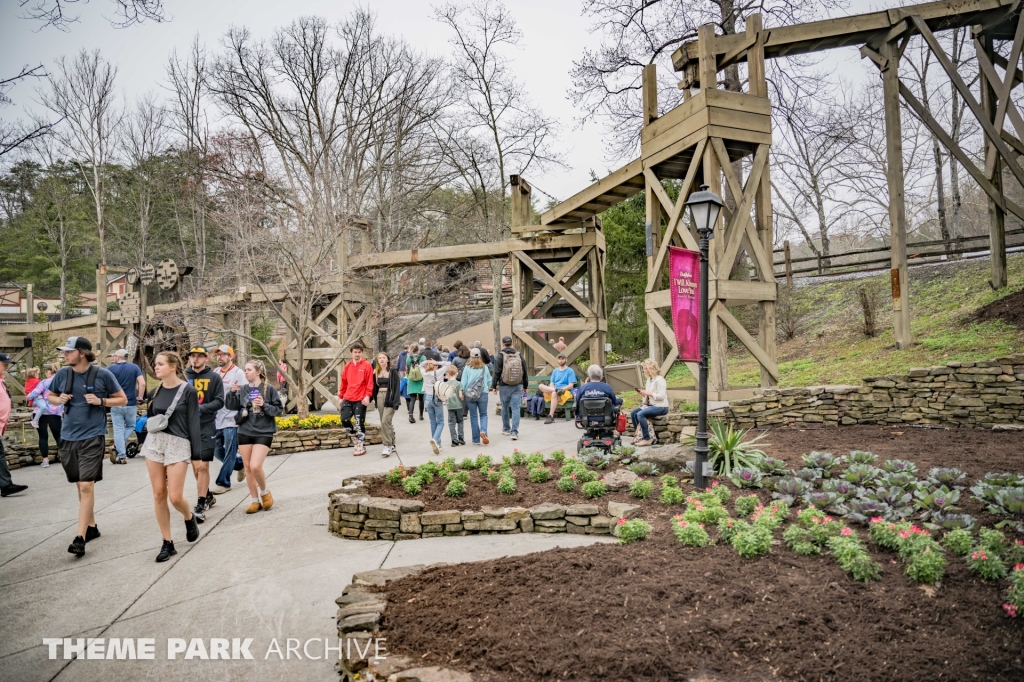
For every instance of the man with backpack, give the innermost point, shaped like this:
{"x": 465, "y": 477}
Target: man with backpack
{"x": 85, "y": 390}
{"x": 510, "y": 381}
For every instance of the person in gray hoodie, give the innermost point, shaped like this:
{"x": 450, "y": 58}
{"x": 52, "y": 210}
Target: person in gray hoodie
{"x": 258, "y": 404}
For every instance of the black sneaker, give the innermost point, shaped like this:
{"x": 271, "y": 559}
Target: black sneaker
{"x": 549, "y": 420}
{"x": 12, "y": 489}
{"x": 166, "y": 551}
{"x": 91, "y": 533}
{"x": 210, "y": 499}
{"x": 199, "y": 509}
{"x": 77, "y": 546}
{"x": 412, "y": 420}
{"x": 191, "y": 529}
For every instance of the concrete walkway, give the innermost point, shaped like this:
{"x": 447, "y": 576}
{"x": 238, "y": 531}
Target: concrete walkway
{"x": 262, "y": 576}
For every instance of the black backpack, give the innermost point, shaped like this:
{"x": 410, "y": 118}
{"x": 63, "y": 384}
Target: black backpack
{"x": 90, "y": 383}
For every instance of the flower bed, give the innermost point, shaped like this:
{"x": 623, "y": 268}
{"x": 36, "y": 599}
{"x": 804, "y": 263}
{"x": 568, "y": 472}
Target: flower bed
{"x": 302, "y": 440}
{"x": 854, "y": 581}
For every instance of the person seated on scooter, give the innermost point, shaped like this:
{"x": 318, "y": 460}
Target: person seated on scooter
{"x": 595, "y": 387}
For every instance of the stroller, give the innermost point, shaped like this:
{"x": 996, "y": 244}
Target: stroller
{"x": 131, "y": 448}
{"x": 599, "y": 419}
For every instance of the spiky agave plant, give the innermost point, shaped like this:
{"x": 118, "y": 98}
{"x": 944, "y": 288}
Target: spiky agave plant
{"x": 728, "y": 450}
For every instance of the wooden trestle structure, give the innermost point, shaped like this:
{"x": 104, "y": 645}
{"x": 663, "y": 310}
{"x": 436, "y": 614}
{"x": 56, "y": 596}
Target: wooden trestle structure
{"x": 715, "y": 137}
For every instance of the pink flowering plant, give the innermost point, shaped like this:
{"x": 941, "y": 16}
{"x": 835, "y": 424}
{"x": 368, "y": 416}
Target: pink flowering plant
{"x": 1014, "y": 605}
{"x": 633, "y": 530}
{"x": 703, "y": 508}
{"x": 988, "y": 565}
{"x": 852, "y": 556}
{"x": 688, "y": 533}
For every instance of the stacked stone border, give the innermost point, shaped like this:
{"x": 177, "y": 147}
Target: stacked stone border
{"x": 356, "y": 516}
{"x": 364, "y": 655}
{"x": 982, "y": 395}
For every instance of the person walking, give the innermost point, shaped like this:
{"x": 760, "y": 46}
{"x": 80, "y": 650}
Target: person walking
{"x": 455, "y": 406}
{"x": 133, "y": 383}
{"x": 31, "y": 379}
{"x": 476, "y": 377}
{"x": 226, "y": 439}
{"x": 559, "y": 390}
{"x": 454, "y": 353}
{"x": 414, "y": 387}
{"x": 655, "y": 402}
{"x": 432, "y": 376}
{"x": 387, "y": 398}
{"x": 282, "y": 382}
{"x": 560, "y": 344}
{"x": 484, "y": 354}
{"x": 210, "y": 394}
{"x": 48, "y": 417}
{"x": 460, "y": 360}
{"x": 174, "y": 436}
{"x": 400, "y": 361}
{"x": 430, "y": 352}
{"x": 85, "y": 390}
{"x": 510, "y": 383}
{"x": 257, "y": 404}
{"x": 355, "y": 391}
{"x": 7, "y": 485}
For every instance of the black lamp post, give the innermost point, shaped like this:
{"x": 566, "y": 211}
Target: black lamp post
{"x": 704, "y": 209}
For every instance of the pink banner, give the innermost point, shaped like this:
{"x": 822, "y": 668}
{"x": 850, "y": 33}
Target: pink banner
{"x": 684, "y": 280}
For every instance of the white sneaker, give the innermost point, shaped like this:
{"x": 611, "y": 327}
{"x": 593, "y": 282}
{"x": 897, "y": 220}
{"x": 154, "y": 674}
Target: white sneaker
{"x": 435, "y": 446}
{"x": 45, "y": 463}
{"x": 386, "y": 451}
{"x": 515, "y": 436}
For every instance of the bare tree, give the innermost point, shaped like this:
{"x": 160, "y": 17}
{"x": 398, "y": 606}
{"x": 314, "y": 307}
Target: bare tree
{"x": 14, "y": 135}
{"x": 126, "y": 12}
{"x": 143, "y": 143}
{"x": 499, "y": 129}
{"x": 635, "y": 33}
{"x": 81, "y": 93}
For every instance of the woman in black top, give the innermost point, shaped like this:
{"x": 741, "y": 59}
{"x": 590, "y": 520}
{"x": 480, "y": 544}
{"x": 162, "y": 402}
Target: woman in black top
{"x": 168, "y": 452}
{"x": 260, "y": 403}
{"x": 387, "y": 398}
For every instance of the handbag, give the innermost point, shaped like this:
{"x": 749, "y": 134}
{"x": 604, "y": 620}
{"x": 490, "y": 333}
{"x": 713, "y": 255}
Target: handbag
{"x": 243, "y": 413}
{"x": 159, "y": 422}
{"x": 475, "y": 389}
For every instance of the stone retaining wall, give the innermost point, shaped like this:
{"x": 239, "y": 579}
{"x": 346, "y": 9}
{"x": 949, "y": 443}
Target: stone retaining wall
{"x": 364, "y": 654}
{"x": 319, "y": 439}
{"x": 984, "y": 395}
{"x": 360, "y": 517}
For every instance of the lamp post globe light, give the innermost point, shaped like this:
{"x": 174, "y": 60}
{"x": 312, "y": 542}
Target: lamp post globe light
{"x": 704, "y": 209}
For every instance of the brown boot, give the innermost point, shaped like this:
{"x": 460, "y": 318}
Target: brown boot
{"x": 267, "y": 501}
{"x": 253, "y": 508}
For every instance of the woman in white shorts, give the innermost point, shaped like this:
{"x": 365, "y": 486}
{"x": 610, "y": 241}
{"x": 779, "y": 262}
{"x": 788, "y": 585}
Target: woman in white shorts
{"x": 169, "y": 451}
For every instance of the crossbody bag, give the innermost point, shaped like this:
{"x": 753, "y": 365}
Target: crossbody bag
{"x": 159, "y": 422}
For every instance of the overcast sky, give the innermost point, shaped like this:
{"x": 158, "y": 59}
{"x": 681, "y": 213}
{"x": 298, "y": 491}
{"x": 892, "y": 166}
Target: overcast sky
{"x": 554, "y": 34}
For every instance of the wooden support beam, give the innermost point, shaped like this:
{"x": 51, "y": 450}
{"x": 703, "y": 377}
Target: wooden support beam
{"x": 666, "y": 331}
{"x": 718, "y": 376}
{"x": 649, "y": 81}
{"x": 566, "y": 294}
{"x": 766, "y": 361}
{"x": 899, "y": 278}
{"x": 524, "y": 311}
{"x": 675, "y": 225}
{"x": 522, "y": 208}
{"x": 994, "y": 169}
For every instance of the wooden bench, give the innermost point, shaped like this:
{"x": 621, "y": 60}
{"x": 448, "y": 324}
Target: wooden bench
{"x": 536, "y": 381}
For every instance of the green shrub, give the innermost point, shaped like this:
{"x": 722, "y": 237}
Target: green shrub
{"x": 467, "y": 463}
{"x": 518, "y": 458}
{"x": 668, "y": 481}
{"x": 671, "y": 496}
{"x": 993, "y": 541}
{"x": 1015, "y": 594}
{"x": 460, "y": 476}
{"x": 456, "y": 488}
{"x": 493, "y": 475}
{"x": 594, "y": 489}
{"x": 722, "y": 491}
{"x": 689, "y": 534}
{"x": 753, "y": 541}
{"x": 746, "y": 504}
{"x": 566, "y": 484}
{"x": 926, "y": 567}
{"x": 704, "y": 508}
{"x": 958, "y": 541}
{"x": 587, "y": 476}
{"x": 412, "y": 486}
{"x": 799, "y": 540}
{"x": 540, "y": 474}
{"x": 558, "y": 456}
{"x": 483, "y": 462}
{"x": 852, "y": 557}
{"x": 632, "y": 530}
{"x": 770, "y": 517}
{"x": 507, "y": 486}
{"x": 641, "y": 489}
{"x": 426, "y": 475}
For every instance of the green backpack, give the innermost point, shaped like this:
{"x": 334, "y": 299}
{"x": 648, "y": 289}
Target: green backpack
{"x": 415, "y": 373}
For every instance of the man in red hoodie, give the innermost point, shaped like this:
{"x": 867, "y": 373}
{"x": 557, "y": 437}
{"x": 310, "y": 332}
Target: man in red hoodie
{"x": 356, "y": 389}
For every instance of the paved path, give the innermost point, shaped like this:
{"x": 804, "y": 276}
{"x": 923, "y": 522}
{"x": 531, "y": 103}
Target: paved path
{"x": 265, "y": 576}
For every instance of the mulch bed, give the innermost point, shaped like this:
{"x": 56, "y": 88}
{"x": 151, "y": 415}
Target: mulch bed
{"x": 655, "y": 610}
{"x": 1009, "y": 309}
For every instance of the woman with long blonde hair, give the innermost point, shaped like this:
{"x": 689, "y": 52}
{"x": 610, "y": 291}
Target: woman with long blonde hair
{"x": 258, "y": 404}
{"x": 655, "y": 402}
{"x": 169, "y": 450}
{"x": 388, "y": 398}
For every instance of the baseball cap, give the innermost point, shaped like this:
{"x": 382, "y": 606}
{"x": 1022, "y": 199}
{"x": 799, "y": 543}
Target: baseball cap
{"x": 120, "y": 352}
{"x": 562, "y": 355}
{"x": 6, "y": 359}
{"x": 506, "y": 340}
{"x": 225, "y": 348}
{"x": 474, "y": 353}
{"x": 198, "y": 350}
{"x": 76, "y": 343}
